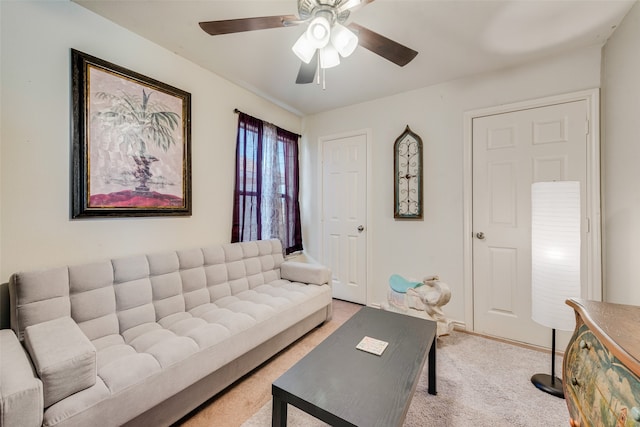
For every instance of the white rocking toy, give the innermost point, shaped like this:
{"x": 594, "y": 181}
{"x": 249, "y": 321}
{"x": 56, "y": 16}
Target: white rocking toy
{"x": 421, "y": 299}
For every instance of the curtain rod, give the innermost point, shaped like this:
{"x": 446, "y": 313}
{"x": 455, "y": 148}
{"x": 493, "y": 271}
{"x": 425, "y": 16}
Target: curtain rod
{"x": 235, "y": 110}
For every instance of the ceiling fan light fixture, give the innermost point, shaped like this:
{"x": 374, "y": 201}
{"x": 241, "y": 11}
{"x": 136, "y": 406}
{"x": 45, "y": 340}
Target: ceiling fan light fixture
{"x": 319, "y": 32}
{"x": 343, "y": 39}
{"x": 304, "y": 49}
{"x": 329, "y": 57}
{"x": 325, "y": 21}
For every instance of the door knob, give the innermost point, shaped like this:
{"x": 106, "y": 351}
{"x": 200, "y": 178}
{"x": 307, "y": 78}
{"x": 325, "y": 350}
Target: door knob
{"x": 360, "y": 228}
{"x": 480, "y": 235}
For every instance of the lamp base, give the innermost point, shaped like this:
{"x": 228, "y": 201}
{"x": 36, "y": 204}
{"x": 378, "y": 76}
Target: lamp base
{"x": 548, "y": 384}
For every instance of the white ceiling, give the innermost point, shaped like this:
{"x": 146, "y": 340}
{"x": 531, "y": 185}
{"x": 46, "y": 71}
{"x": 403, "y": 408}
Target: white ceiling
{"x": 454, "y": 38}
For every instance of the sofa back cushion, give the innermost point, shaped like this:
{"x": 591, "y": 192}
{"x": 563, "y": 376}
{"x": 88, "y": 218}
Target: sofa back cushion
{"x": 166, "y": 284}
{"x": 92, "y": 299}
{"x": 134, "y": 295}
{"x": 113, "y": 296}
{"x": 194, "y": 278}
{"x": 38, "y": 296}
{"x": 251, "y": 264}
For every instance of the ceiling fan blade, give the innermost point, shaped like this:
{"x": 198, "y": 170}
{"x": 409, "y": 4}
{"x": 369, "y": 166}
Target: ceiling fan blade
{"x": 379, "y": 44}
{"x": 307, "y": 72}
{"x": 229, "y": 26}
{"x": 352, "y": 5}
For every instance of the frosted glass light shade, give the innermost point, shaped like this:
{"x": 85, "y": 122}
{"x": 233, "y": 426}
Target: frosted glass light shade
{"x": 319, "y": 32}
{"x": 343, "y": 40}
{"x": 303, "y": 49}
{"x": 329, "y": 57}
{"x": 555, "y": 252}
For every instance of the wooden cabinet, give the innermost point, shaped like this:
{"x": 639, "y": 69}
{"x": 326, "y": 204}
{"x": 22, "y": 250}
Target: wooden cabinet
{"x": 601, "y": 371}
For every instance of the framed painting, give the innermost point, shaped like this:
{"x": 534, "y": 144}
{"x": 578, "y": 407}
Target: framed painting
{"x": 131, "y": 143}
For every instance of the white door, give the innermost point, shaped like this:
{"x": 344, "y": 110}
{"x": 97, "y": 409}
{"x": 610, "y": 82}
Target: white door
{"x": 344, "y": 201}
{"x": 510, "y": 152}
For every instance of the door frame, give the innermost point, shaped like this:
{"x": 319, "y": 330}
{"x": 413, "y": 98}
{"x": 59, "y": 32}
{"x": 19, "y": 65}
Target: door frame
{"x": 594, "y": 240}
{"x": 368, "y": 223}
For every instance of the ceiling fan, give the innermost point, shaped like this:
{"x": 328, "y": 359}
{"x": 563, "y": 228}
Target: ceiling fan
{"x": 326, "y": 38}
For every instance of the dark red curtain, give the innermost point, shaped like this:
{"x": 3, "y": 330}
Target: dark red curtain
{"x": 292, "y": 241}
{"x": 266, "y": 185}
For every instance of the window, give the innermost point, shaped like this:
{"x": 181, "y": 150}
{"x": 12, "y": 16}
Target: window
{"x": 266, "y": 189}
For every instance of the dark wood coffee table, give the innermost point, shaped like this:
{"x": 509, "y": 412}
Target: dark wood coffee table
{"x": 344, "y": 386}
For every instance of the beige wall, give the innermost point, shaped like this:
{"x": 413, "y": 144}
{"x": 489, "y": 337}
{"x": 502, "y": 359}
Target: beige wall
{"x": 35, "y": 226}
{"x": 435, "y": 245}
{"x": 620, "y": 161}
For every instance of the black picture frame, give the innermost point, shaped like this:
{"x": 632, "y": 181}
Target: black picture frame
{"x": 131, "y": 143}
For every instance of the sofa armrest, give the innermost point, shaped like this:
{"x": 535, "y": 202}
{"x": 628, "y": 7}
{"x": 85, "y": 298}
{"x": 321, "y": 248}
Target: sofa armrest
{"x": 21, "y": 402}
{"x": 303, "y": 272}
{"x": 63, "y": 356}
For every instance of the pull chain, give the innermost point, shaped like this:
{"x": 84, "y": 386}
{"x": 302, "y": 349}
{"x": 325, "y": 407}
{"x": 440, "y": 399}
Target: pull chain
{"x": 321, "y": 69}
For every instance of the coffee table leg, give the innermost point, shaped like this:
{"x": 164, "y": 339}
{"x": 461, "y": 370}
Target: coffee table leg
{"x": 279, "y": 413}
{"x": 432, "y": 368}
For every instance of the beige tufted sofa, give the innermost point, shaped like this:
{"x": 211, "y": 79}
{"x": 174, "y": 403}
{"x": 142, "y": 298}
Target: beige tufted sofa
{"x": 143, "y": 340}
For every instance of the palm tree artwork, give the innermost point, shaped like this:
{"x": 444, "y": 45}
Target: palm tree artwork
{"x": 130, "y": 142}
{"x": 135, "y": 124}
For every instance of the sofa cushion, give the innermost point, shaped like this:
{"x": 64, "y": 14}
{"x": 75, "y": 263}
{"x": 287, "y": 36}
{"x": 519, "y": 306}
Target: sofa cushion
{"x": 63, "y": 356}
{"x": 38, "y": 296}
{"x": 305, "y": 273}
{"x": 93, "y": 301}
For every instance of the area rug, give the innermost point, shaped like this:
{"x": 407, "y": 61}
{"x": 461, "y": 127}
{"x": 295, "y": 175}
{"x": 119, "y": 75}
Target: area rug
{"x": 481, "y": 383}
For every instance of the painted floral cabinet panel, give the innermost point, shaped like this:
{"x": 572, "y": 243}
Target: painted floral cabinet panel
{"x": 600, "y": 388}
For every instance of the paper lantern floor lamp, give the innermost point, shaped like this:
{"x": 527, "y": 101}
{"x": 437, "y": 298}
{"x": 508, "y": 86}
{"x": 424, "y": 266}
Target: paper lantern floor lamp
{"x": 555, "y": 263}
